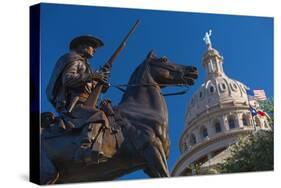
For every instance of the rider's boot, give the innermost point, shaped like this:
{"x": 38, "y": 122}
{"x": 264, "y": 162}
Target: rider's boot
{"x": 90, "y": 150}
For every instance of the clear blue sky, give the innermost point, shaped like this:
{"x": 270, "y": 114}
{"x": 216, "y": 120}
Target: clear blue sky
{"x": 246, "y": 43}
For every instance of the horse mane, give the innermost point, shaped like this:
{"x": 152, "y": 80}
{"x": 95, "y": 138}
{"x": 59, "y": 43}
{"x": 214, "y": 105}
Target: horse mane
{"x": 137, "y": 75}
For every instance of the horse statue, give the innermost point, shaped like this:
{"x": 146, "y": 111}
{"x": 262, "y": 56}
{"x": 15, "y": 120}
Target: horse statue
{"x": 140, "y": 140}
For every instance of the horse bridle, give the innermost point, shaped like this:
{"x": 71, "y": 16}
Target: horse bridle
{"x": 122, "y": 86}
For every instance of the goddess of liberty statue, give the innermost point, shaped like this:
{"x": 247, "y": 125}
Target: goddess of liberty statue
{"x": 207, "y": 39}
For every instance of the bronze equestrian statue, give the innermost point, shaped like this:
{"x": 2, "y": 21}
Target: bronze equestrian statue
{"x": 94, "y": 144}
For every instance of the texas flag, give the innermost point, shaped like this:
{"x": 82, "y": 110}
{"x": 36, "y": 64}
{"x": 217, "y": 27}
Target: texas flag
{"x": 253, "y": 111}
{"x": 259, "y": 95}
{"x": 261, "y": 113}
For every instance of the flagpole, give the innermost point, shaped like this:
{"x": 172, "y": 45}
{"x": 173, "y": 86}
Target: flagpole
{"x": 250, "y": 107}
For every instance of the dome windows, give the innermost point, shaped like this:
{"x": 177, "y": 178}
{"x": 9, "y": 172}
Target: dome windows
{"x": 192, "y": 140}
{"x": 217, "y": 127}
{"x": 222, "y": 87}
{"x": 245, "y": 120}
{"x": 231, "y": 123}
{"x": 245, "y": 123}
{"x": 233, "y": 86}
{"x": 204, "y": 132}
{"x": 212, "y": 65}
{"x": 212, "y": 89}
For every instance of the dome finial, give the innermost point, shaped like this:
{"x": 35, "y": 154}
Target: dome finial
{"x": 207, "y": 39}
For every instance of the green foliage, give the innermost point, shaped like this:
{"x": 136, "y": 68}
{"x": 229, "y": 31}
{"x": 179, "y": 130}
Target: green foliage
{"x": 250, "y": 153}
{"x": 268, "y": 107}
{"x": 212, "y": 171}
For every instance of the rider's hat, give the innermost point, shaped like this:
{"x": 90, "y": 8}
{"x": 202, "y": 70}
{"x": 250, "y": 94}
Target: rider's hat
{"x": 85, "y": 39}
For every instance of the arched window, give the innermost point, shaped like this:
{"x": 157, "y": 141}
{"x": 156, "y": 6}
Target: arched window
{"x": 204, "y": 132}
{"x": 214, "y": 65}
{"x": 193, "y": 140}
{"x": 217, "y": 127}
{"x": 245, "y": 120}
{"x": 231, "y": 123}
{"x": 234, "y": 86}
{"x": 212, "y": 89}
{"x": 222, "y": 87}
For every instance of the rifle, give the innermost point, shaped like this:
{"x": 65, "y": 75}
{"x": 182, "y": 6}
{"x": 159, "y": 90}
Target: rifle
{"x": 93, "y": 97}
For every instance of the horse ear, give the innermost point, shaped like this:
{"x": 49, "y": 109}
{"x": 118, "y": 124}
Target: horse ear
{"x": 151, "y": 55}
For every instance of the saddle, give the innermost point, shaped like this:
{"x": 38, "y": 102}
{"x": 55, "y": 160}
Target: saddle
{"x": 57, "y": 126}
{"x": 107, "y": 141}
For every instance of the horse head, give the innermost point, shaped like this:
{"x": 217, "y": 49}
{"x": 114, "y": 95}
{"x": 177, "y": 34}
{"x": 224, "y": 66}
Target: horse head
{"x": 165, "y": 73}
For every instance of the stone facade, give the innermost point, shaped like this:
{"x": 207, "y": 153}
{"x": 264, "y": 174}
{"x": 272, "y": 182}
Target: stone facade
{"x": 217, "y": 116}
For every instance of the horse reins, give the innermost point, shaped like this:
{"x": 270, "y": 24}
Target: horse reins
{"x": 121, "y": 87}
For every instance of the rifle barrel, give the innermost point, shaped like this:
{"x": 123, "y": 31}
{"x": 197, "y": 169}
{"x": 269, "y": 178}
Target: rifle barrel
{"x": 121, "y": 46}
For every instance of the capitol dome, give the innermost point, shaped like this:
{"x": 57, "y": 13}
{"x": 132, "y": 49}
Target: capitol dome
{"x": 217, "y": 115}
{"x": 217, "y": 90}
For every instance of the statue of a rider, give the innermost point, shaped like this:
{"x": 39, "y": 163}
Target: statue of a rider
{"x": 71, "y": 83}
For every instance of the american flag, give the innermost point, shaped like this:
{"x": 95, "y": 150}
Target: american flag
{"x": 260, "y": 95}
{"x": 251, "y": 98}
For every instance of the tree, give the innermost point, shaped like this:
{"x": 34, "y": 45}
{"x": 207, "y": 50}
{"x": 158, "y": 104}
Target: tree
{"x": 268, "y": 107}
{"x": 250, "y": 153}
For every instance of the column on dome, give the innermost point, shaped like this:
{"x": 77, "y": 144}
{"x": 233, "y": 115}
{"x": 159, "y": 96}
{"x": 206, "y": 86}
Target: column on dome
{"x": 225, "y": 122}
{"x": 236, "y": 119}
{"x": 212, "y": 65}
{"x": 209, "y": 126}
{"x": 222, "y": 124}
{"x": 220, "y": 67}
{"x": 196, "y": 133}
{"x": 240, "y": 120}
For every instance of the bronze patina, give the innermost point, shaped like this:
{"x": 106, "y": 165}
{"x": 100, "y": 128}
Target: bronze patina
{"x": 86, "y": 143}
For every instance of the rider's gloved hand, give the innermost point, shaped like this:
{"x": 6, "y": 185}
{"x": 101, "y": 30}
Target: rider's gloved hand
{"x": 101, "y": 77}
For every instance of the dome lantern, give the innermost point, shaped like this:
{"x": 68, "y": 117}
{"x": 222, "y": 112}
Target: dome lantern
{"x": 212, "y": 60}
